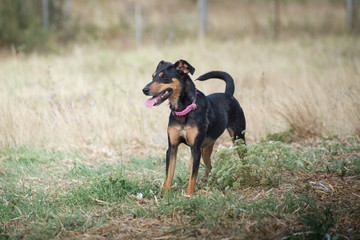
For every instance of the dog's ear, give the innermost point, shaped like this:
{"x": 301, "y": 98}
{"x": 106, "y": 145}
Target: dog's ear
{"x": 160, "y": 64}
{"x": 183, "y": 67}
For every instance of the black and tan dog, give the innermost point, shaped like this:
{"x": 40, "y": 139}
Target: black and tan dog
{"x": 196, "y": 120}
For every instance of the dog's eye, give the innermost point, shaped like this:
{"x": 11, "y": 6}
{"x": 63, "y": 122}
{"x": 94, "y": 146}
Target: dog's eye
{"x": 163, "y": 77}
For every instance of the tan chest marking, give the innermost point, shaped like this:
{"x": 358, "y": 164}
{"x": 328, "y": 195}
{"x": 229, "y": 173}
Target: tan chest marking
{"x": 177, "y": 132}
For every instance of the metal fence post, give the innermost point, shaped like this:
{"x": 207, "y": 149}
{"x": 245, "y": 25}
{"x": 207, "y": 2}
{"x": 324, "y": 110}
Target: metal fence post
{"x": 138, "y": 26}
{"x": 202, "y": 11}
{"x": 45, "y": 6}
{"x": 276, "y": 19}
{"x": 350, "y": 14}
{"x": 67, "y": 18}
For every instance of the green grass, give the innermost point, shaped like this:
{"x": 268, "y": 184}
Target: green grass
{"x": 45, "y": 195}
{"x": 287, "y": 136}
{"x": 273, "y": 191}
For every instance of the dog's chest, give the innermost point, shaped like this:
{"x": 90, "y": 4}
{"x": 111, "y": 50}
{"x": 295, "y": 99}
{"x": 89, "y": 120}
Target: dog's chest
{"x": 182, "y": 134}
{"x": 186, "y": 134}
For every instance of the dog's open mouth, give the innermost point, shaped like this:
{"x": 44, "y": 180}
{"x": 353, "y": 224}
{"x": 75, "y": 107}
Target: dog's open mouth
{"x": 160, "y": 98}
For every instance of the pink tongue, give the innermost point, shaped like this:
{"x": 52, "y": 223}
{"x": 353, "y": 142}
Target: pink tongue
{"x": 150, "y": 102}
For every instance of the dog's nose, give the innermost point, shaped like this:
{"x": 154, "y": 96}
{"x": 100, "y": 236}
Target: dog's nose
{"x": 146, "y": 90}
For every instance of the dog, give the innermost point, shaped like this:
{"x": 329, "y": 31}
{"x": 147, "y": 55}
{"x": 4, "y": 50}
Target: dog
{"x": 195, "y": 119}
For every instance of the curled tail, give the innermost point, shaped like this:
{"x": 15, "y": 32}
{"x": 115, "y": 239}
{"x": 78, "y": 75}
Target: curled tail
{"x": 229, "y": 89}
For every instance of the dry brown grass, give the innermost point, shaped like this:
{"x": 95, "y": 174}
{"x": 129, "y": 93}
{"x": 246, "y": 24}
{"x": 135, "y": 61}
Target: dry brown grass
{"x": 92, "y": 94}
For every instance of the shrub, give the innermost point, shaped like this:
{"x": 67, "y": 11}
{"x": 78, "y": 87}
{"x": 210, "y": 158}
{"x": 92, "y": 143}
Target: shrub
{"x": 263, "y": 163}
{"x": 287, "y": 136}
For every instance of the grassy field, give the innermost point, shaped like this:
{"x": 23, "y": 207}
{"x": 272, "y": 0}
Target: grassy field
{"x": 81, "y": 157}
{"x": 301, "y": 191}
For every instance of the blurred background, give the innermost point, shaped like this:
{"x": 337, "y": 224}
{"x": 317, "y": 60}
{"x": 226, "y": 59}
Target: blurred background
{"x": 72, "y": 70}
{"x": 45, "y": 24}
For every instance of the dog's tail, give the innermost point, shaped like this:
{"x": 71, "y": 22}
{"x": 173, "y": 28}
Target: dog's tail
{"x": 229, "y": 89}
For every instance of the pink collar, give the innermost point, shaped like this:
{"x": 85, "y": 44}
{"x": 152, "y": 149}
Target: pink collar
{"x": 189, "y": 108}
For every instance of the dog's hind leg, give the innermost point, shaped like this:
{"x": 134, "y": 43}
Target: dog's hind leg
{"x": 237, "y": 135}
{"x": 206, "y": 155}
{"x": 237, "y": 123}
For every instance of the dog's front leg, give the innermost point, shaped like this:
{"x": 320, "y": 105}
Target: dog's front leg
{"x": 173, "y": 143}
{"x": 195, "y": 163}
{"x": 170, "y": 166}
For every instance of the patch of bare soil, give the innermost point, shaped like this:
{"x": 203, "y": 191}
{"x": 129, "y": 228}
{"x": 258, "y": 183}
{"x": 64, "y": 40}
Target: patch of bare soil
{"x": 130, "y": 227}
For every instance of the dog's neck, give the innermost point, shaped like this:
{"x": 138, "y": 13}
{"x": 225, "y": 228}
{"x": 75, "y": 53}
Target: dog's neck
{"x": 186, "y": 97}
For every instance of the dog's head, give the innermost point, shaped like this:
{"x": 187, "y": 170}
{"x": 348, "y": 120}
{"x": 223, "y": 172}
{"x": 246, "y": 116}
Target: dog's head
{"x": 167, "y": 82}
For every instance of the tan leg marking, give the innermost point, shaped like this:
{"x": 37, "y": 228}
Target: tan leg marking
{"x": 191, "y": 134}
{"x": 173, "y": 133}
{"x": 191, "y": 187}
{"x": 232, "y": 134}
{"x": 170, "y": 176}
{"x": 206, "y": 155}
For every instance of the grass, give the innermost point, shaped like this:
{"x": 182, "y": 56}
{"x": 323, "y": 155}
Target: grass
{"x": 75, "y": 197}
{"x": 63, "y": 196}
{"x": 84, "y": 98}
